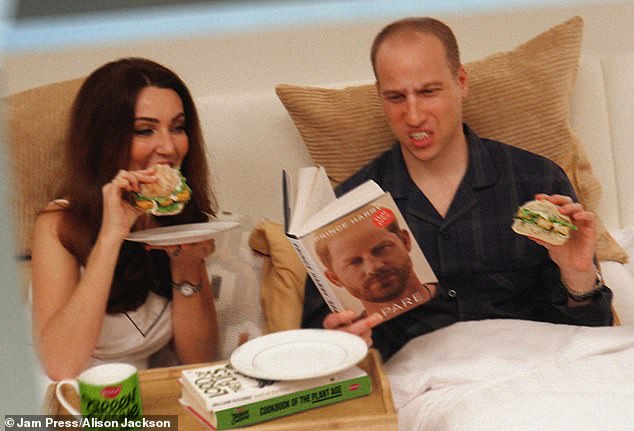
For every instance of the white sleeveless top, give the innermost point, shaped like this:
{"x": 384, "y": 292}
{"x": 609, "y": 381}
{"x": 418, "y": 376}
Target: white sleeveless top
{"x": 134, "y": 336}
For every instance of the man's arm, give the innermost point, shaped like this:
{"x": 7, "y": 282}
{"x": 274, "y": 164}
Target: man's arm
{"x": 595, "y": 311}
{"x": 315, "y": 309}
{"x": 586, "y": 300}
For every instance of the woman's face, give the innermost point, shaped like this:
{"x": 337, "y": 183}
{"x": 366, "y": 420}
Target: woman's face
{"x": 159, "y": 129}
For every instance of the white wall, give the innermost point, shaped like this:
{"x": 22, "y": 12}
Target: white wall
{"x": 314, "y": 54}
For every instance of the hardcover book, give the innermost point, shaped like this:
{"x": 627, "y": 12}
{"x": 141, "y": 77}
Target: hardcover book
{"x": 357, "y": 248}
{"x": 223, "y": 398}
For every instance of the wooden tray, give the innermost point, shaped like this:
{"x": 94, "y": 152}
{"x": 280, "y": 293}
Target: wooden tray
{"x": 160, "y": 392}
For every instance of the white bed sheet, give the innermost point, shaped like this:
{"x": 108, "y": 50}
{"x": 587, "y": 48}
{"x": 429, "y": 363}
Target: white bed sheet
{"x": 516, "y": 375}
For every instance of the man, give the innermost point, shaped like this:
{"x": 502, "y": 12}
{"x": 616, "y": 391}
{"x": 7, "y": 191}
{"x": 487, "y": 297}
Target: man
{"x": 458, "y": 193}
{"x": 373, "y": 264}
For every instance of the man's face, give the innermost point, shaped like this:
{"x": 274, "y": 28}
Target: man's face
{"x": 421, "y": 97}
{"x": 370, "y": 262}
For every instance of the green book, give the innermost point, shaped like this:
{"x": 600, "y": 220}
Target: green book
{"x": 223, "y": 398}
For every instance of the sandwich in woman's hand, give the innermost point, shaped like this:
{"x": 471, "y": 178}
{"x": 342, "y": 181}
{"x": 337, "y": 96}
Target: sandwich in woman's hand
{"x": 167, "y": 195}
{"x": 542, "y": 220}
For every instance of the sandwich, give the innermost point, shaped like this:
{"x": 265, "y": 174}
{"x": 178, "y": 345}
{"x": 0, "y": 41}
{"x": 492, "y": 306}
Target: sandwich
{"x": 542, "y": 220}
{"x": 166, "y": 196}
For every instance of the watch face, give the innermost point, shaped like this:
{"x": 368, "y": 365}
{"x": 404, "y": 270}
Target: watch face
{"x": 186, "y": 289}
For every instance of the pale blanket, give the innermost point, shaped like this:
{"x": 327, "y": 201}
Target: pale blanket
{"x": 516, "y": 375}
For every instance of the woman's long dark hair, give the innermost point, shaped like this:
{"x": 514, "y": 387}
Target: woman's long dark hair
{"x": 99, "y": 139}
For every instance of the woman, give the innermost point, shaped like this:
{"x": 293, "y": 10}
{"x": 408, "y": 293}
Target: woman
{"x": 97, "y": 297}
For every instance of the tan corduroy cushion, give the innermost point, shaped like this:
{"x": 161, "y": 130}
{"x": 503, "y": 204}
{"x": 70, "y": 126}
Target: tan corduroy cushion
{"x": 282, "y": 279}
{"x": 520, "y": 97}
{"x": 37, "y": 121}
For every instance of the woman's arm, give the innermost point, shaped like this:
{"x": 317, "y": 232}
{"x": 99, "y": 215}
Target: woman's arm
{"x": 68, "y": 310}
{"x": 193, "y": 317}
{"x": 69, "y": 306}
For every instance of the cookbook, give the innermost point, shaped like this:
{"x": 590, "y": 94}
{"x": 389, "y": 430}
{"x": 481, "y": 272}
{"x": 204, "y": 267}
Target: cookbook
{"x": 223, "y": 398}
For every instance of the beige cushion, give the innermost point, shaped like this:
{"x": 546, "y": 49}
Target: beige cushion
{"x": 282, "y": 279}
{"x": 37, "y": 121}
{"x": 520, "y": 97}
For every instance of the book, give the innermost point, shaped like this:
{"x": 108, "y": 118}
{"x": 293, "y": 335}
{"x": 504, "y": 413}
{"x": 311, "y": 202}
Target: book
{"x": 223, "y": 398}
{"x": 357, "y": 248}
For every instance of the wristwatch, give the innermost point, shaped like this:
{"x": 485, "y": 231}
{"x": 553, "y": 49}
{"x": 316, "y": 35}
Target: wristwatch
{"x": 186, "y": 288}
{"x": 580, "y": 297}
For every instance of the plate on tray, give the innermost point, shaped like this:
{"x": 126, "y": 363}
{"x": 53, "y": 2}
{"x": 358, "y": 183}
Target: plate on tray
{"x": 298, "y": 354}
{"x": 182, "y": 233}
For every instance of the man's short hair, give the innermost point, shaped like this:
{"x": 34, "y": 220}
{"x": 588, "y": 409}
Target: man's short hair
{"x": 323, "y": 252}
{"x": 425, "y": 25}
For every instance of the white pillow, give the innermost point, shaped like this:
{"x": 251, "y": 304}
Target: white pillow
{"x": 620, "y": 277}
{"x": 235, "y": 273}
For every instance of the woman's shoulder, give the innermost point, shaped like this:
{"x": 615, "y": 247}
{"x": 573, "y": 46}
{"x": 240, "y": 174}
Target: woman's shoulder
{"x": 51, "y": 214}
{"x": 56, "y": 205}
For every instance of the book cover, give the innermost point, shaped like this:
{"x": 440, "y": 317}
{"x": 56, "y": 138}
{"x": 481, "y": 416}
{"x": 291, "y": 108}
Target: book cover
{"x": 357, "y": 248}
{"x": 222, "y": 398}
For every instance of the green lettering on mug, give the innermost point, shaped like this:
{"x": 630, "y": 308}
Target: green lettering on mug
{"x": 107, "y": 393}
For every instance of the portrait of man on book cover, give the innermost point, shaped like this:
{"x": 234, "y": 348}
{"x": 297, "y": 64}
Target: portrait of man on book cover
{"x": 375, "y": 258}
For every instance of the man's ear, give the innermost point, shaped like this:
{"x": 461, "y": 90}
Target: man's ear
{"x": 332, "y": 277}
{"x": 403, "y": 234}
{"x": 463, "y": 81}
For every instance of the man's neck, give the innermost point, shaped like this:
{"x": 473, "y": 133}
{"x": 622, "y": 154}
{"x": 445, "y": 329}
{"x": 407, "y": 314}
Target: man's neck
{"x": 440, "y": 178}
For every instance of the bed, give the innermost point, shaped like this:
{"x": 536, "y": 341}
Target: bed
{"x": 511, "y": 374}
{"x": 508, "y": 374}
{"x": 515, "y": 375}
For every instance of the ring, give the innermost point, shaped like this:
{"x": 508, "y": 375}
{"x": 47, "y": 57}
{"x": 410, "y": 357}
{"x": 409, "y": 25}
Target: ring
{"x": 176, "y": 252}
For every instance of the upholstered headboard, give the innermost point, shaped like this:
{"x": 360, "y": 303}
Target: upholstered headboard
{"x": 37, "y": 121}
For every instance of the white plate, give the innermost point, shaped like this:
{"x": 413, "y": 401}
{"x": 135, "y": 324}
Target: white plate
{"x": 298, "y": 354}
{"x": 182, "y": 233}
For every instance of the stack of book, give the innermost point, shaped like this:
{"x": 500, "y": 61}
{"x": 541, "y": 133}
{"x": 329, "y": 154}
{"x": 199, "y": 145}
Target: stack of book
{"x": 223, "y": 398}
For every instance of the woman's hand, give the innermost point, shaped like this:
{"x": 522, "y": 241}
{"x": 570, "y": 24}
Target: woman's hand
{"x": 196, "y": 251}
{"x": 186, "y": 258}
{"x": 118, "y": 214}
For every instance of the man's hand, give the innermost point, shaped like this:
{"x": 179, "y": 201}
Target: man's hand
{"x": 576, "y": 254}
{"x": 349, "y": 322}
{"x": 575, "y": 257}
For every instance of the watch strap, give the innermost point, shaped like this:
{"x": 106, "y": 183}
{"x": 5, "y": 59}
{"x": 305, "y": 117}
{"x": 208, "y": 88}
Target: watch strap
{"x": 580, "y": 297}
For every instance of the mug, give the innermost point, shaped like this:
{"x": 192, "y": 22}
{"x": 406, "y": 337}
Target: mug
{"x": 108, "y": 392}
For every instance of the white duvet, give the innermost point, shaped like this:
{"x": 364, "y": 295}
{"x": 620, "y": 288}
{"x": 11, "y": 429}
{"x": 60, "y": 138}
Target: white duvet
{"x": 516, "y": 375}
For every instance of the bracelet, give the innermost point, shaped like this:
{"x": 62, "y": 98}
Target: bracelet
{"x": 580, "y": 297}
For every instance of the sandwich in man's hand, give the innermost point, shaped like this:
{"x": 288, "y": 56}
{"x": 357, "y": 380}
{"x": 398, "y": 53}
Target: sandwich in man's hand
{"x": 542, "y": 220}
{"x": 167, "y": 195}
